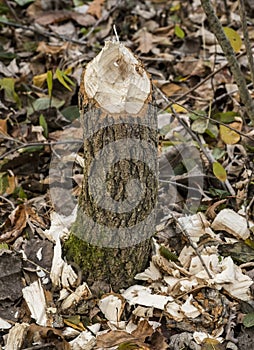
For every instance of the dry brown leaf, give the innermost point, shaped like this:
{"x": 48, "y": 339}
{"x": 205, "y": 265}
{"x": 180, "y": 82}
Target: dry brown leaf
{"x": 190, "y": 66}
{"x": 53, "y": 17}
{"x": 50, "y": 49}
{"x": 46, "y": 335}
{"x": 17, "y": 221}
{"x": 3, "y": 126}
{"x": 34, "y": 217}
{"x": 60, "y": 16}
{"x": 95, "y": 8}
{"x": 158, "y": 341}
{"x": 14, "y": 225}
{"x": 143, "y": 330}
{"x": 12, "y": 184}
{"x": 210, "y": 213}
{"x": 138, "y": 336}
{"x": 113, "y": 338}
{"x": 145, "y": 40}
{"x": 86, "y": 20}
{"x": 170, "y": 89}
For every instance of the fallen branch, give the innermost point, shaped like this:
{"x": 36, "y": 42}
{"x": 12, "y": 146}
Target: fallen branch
{"x": 217, "y": 29}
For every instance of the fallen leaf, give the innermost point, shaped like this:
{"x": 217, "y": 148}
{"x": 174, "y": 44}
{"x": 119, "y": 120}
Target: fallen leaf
{"x": 126, "y": 340}
{"x": 51, "y": 49}
{"x": 229, "y": 136}
{"x": 248, "y": 320}
{"x": 211, "y": 344}
{"x": 179, "y": 32}
{"x": 219, "y": 171}
{"x": 60, "y": 16}
{"x": 15, "y": 224}
{"x": 7, "y": 183}
{"x": 95, "y": 8}
{"x": 44, "y": 335}
{"x": 234, "y": 38}
{"x": 170, "y": 89}
{"x": 145, "y": 40}
{"x": 3, "y": 126}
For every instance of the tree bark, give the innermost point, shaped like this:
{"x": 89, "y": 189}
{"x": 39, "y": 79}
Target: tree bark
{"x": 110, "y": 239}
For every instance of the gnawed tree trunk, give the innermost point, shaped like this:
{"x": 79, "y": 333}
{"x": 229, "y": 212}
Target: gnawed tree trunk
{"x": 110, "y": 239}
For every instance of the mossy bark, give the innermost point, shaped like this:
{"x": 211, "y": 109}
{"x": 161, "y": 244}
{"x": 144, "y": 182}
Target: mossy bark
{"x": 112, "y": 247}
{"x": 110, "y": 240}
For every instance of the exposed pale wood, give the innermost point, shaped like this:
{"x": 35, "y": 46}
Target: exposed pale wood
{"x": 116, "y": 80}
{"x": 231, "y": 222}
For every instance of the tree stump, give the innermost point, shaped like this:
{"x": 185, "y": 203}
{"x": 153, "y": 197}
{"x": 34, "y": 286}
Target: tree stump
{"x": 110, "y": 239}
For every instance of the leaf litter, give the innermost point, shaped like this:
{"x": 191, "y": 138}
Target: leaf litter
{"x": 197, "y": 291}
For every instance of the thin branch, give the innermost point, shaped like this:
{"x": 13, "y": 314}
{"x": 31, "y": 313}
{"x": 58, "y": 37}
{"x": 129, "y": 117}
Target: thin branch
{"x": 193, "y": 245}
{"x": 226, "y": 185}
{"x": 217, "y": 29}
{"x": 34, "y": 144}
{"x": 209, "y": 76}
{"x": 7, "y": 3}
{"x": 215, "y": 121}
{"x": 40, "y": 30}
{"x": 242, "y": 11}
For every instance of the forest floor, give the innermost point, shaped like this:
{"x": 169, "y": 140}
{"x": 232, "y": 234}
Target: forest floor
{"x": 197, "y": 292}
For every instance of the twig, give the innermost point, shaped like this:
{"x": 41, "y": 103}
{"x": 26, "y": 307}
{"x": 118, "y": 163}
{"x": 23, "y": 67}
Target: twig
{"x": 34, "y": 144}
{"x": 7, "y": 137}
{"x": 209, "y": 76}
{"x": 227, "y": 186}
{"x": 41, "y": 346}
{"x": 7, "y": 3}
{"x": 248, "y": 207}
{"x": 8, "y": 201}
{"x": 225, "y": 183}
{"x": 38, "y": 30}
{"x": 103, "y": 18}
{"x": 185, "y": 233}
{"x": 206, "y": 117}
{"x": 242, "y": 11}
{"x": 230, "y": 56}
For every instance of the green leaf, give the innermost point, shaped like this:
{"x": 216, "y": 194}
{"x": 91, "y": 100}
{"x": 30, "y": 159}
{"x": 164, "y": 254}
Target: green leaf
{"x": 3, "y": 9}
{"x": 43, "y": 123}
{"x": 8, "y": 85}
{"x": 31, "y": 149}
{"x": 226, "y": 117}
{"x": 50, "y": 82}
{"x": 212, "y": 130}
{"x": 197, "y": 115}
{"x": 199, "y": 126}
{"x": 63, "y": 79}
{"x": 248, "y": 320}
{"x": 219, "y": 171}
{"x": 21, "y": 194}
{"x": 179, "y": 32}
{"x": 44, "y": 103}
{"x": 216, "y": 192}
{"x": 3, "y": 182}
{"x": 167, "y": 254}
{"x": 239, "y": 251}
{"x": 218, "y": 153}
{"x": 71, "y": 112}
{"x": 4, "y": 246}
{"x": 234, "y": 38}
